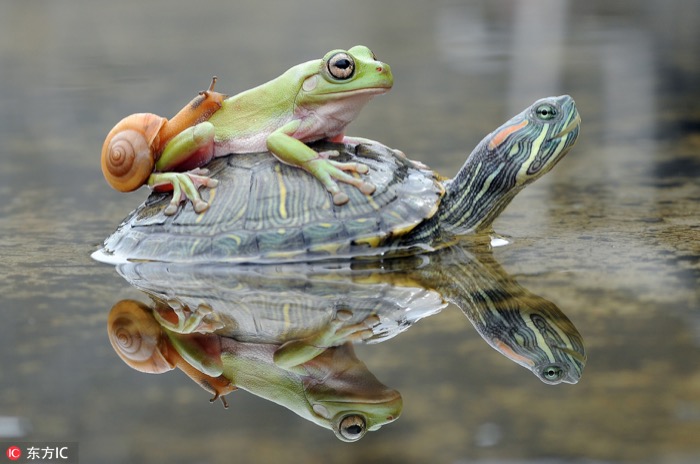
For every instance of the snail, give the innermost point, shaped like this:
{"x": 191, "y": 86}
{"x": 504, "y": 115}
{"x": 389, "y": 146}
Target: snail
{"x": 144, "y": 345}
{"x": 132, "y": 148}
{"x": 138, "y": 338}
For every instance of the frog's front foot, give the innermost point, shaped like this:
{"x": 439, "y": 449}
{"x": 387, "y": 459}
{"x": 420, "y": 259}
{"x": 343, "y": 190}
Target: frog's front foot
{"x": 329, "y": 171}
{"x": 185, "y": 186}
{"x": 341, "y": 330}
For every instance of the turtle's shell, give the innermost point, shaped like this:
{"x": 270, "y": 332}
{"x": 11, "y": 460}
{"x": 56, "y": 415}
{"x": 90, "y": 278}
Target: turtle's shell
{"x": 263, "y": 210}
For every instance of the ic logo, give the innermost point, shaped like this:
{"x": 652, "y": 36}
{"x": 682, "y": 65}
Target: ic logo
{"x": 13, "y": 453}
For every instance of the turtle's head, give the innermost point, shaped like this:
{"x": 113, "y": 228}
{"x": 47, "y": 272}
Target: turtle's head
{"x": 536, "y": 139}
{"x": 519, "y": 152}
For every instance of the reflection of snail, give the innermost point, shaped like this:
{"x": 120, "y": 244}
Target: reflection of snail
{"x": 133, "y": 146}
{"x": 137, "y": 338}
{"x": 145, "y": 346}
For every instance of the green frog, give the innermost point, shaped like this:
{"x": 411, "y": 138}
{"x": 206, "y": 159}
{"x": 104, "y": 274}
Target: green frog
{"x": 311, "y": 101}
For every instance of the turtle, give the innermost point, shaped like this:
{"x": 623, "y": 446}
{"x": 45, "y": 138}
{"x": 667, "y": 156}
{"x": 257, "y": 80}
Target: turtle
{"x": 265, "y": 211}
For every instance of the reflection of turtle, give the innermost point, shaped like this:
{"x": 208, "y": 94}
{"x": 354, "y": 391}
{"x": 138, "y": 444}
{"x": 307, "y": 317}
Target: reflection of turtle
{"x": 266, "y": 211}
{"x": 277, "y": 329}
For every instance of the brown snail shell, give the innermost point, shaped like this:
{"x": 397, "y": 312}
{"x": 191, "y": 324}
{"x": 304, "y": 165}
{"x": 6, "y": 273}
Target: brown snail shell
{"x": 130, "y": 149}
{"x": 137, "y": 337}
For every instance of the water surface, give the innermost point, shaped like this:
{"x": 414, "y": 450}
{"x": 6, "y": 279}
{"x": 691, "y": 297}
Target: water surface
{"x": 611, "y": 235}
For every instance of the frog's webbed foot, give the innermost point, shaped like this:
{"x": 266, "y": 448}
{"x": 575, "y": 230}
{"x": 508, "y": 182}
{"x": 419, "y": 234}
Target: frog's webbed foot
{"x": 341, "y": 331}
{"x": 185, "y": 186}
{"x": 202, "y": 320}
{"x": 329, "y": 171}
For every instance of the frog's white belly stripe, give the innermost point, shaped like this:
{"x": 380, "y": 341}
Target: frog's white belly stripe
{"x": 327, "y": 121}
{"x": 252, "y": 143}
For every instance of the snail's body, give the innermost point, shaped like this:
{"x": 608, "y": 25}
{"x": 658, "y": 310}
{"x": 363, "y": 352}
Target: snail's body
{"x": 311, "y": 101}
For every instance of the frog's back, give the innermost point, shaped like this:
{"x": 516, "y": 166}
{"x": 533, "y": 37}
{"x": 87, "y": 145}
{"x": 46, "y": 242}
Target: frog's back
{"x": 263, "y": 210}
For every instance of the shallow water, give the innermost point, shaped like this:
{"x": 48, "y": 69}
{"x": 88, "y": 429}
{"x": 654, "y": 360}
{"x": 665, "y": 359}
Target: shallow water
{"x": 611, "y": 236}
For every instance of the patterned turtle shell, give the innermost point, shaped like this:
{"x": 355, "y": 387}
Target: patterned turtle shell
{"x": 263, "y": 210}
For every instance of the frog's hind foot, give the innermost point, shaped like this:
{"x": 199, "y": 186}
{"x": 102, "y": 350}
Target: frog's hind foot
{"x": 185, "y": 186}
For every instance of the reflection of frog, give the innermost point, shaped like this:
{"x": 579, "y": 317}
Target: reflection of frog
{"x": 318, "y": 377}
{"x": 311, "y": 101}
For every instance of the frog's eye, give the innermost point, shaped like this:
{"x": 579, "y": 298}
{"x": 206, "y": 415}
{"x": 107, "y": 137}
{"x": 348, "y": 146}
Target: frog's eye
{"x": 351, "y": 428}
{"x": 341, "y": 66}
{"x": 546, "y": 112}
{"x": 552, "y": 373}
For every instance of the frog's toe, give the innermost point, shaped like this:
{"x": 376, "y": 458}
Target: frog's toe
{"x": 371, "y": 321}
{"x": 361, "y": 168}
{"x": 367, "y": 188}
{"x": 351, "y": 167}
{"x": 200, "y": 178}
{"x": 199, "y": 205}
{"x": 340, "y": 198}
{"x": 171, "y": 208}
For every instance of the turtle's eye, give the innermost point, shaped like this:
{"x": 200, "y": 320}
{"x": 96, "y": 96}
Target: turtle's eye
{"x": 546, "y": 112}
{"x": 341, "y": 66}
{"x": 553, "y": 373}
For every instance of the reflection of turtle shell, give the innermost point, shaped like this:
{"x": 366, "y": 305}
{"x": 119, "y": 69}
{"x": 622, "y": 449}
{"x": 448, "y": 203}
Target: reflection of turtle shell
{"x": 275, "y": 304}
{"x": 263, "y": 210}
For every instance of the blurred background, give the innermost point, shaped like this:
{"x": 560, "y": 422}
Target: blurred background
{"x": 611, "y": 235}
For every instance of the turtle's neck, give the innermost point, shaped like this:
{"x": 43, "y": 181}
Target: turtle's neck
{"x": 480, "y": 191}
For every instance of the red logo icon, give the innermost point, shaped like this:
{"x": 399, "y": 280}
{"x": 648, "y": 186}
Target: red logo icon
{"x": 14, "y": 453}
